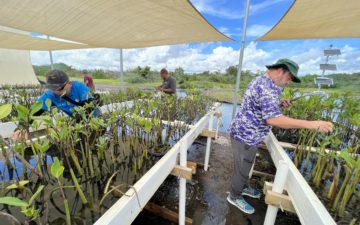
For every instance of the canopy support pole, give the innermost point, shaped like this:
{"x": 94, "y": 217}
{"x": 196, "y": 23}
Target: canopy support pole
{"x": 238, "y": 75}
{"x": 122, "y": 70}
{"x": 51, "y": 56}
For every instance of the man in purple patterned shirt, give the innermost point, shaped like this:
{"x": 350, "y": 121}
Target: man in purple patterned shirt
{"x": 259, "y": 111}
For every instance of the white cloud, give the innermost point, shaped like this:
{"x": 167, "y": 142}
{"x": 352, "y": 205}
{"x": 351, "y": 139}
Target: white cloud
{"x": 254, "y": 8}
{"x": 197, "y": 58}
{"x": 257, "y": 30}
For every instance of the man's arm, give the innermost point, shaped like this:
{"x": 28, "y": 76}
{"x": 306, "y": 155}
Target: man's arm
{"x": 289, "y": 123}
{"x": 168, "y": 90}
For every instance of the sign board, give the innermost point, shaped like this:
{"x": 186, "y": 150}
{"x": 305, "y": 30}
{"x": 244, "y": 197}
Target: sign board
{"x": 329, "y": 52}
{"x": 324, "y": 81}
{"x": 328, "y": 66}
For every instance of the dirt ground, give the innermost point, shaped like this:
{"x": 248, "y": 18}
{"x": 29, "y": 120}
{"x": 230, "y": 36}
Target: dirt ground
{"x": 207, "y": 192}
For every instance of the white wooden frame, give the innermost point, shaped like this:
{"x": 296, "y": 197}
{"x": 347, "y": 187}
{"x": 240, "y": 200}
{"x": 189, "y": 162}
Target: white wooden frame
{"x": 308, "y": 207}
{"x": 127, "y": 208}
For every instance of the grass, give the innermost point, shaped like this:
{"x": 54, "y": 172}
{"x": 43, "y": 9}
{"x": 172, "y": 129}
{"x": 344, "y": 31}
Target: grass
{"x": 220, "y": 91}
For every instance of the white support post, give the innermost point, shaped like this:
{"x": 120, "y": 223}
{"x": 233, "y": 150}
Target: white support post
{"x": 208, "y": 144}
{"x": 278, "y": 187}
{"x": 182, "y": 184}
{"x": 217, "y": 127}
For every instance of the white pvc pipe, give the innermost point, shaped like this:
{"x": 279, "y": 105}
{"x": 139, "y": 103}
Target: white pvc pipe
{"x": 278, "y": 187}
{"x": 238, "y": 75}
{"x": 208, "y": 145}
{"x": 182, "y": 185}
{"x": 217, "y": 128}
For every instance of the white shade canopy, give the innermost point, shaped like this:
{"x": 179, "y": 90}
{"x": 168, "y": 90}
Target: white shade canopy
{"x": 111, "y": 23}
{"x": 307, "y": 19}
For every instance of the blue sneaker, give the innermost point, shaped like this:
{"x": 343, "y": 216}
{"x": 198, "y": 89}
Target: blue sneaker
{"x": 251, "y": 192}
{"x": 241, "y": 204}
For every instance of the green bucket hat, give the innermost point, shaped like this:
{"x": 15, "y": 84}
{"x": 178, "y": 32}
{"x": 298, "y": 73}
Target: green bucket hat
{"x": 292, "y": 66}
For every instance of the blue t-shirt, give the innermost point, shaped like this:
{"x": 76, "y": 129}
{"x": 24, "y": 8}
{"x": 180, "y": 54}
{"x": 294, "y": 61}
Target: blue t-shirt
{"x": 79, "y": 93}
{"x": 261, "y": 101}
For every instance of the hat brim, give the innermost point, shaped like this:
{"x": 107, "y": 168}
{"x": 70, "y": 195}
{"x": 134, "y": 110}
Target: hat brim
{"x": 294, "y": 78}
{"x": 54, "y": 86}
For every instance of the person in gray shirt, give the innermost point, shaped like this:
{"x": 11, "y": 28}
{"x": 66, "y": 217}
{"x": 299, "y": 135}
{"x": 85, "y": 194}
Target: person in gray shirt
{"x": 169, "y": 83}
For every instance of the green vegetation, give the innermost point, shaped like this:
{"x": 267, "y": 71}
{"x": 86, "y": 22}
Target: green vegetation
{"x": 220, "y": 83}
{"x": 73, "y": 171}
{"x": 336, "y": 153}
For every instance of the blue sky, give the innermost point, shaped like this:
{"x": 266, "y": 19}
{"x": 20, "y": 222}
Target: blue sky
{"x": 227, "y": 16}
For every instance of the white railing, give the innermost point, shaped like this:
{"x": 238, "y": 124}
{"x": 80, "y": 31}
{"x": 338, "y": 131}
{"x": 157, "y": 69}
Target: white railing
{"x": 131, "y": 204}
{"x": 307, "y": 205}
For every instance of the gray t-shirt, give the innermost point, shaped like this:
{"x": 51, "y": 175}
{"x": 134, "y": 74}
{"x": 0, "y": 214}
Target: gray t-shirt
{"x": 169, "y": 83}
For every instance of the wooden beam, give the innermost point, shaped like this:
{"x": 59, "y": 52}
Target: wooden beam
{"x": 309, "y": 208}
{"x": 182, "y": 171}
{"x": 268, "y": 187}
{"x": 218, "y": 114}
{"x": 192, "y": 165}
{"x": 208, "y": 133}
{"x": 166, "y": 213}
{"x": 279, "y": 200}
{"x": 262, "y": 174}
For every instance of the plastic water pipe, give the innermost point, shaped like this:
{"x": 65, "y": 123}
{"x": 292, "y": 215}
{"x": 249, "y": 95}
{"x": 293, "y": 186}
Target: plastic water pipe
{"x": 278, "y": 187}
{"x": 182, "y": 184}
{"x": 208, "y": 144}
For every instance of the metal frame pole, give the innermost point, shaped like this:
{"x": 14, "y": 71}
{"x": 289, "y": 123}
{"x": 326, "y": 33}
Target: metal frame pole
{"x": 51, "y": 56}
{"x": 243, "y": 39}
{"x": 122, "y": 70}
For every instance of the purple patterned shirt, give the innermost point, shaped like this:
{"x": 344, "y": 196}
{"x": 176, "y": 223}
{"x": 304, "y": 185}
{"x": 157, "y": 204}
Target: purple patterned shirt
{"x": 260, "y": 102}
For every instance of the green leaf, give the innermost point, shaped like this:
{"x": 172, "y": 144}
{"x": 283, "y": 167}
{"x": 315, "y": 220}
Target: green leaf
{"x": 36, "y": 107}
{"x": 346, "y": 156}
{"x": 56, "y": 168}
{"x": 40, "y": 188}
{"x": 5, "y": 110}
{"x": 13, "y": 201}
{"x": 31, "y": 213}
{"x": 12, "y": 186}
{"x": 48, "y": 103}
{"x": 22, "y": 183}
{"x": 23, "y": 112}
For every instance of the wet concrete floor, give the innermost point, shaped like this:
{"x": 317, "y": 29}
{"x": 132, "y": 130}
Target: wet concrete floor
{"x": 207, "y": 192}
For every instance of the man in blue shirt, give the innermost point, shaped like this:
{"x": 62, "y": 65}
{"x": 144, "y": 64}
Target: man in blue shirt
{"x": 64, "y": 93}
{"x": 260, "y": 110}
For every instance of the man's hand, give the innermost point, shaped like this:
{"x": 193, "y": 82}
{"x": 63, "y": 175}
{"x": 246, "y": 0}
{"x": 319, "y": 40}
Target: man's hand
{"x": 285, "y": 103}
{"x": 17, "y": 135}
{"x": 159, "y": 88}
{"x": 322, "y": 126}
